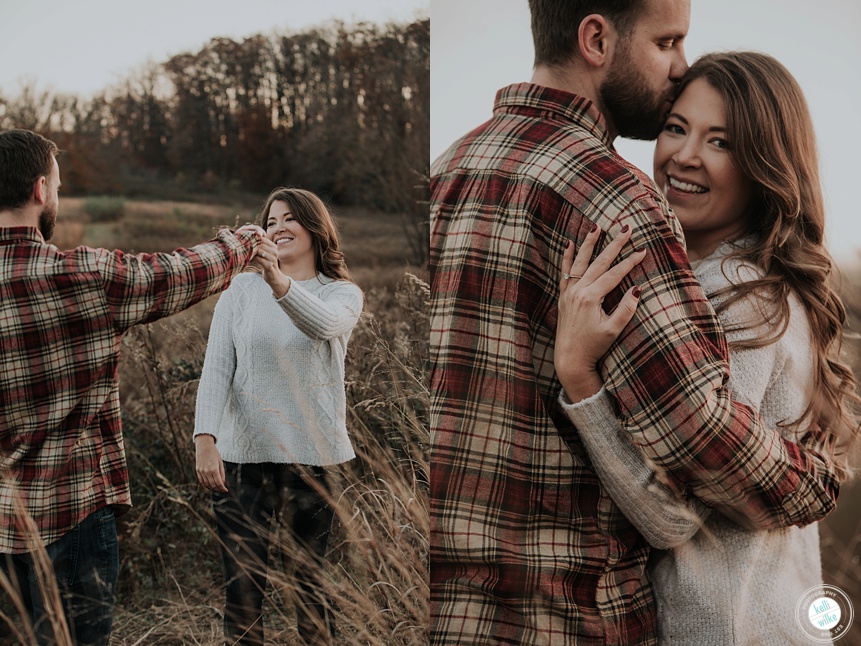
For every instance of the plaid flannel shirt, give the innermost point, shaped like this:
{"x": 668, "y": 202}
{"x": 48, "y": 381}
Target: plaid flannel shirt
{"x": 62, "y": 318}
{"x": 526, "y": 545}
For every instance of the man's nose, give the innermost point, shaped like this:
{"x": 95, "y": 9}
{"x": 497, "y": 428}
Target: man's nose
{"x": 680, "y": 64}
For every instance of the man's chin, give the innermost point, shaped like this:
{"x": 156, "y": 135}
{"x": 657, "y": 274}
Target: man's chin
{"x": 47, "y": 224}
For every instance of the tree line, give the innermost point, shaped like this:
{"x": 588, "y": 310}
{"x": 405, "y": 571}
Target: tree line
{"x": 341, "y": 110}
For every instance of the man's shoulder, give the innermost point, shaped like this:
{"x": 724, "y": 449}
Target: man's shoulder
{"x": 560, "y": 156}
{"x": 78, "y": 260}
{"x": 459, "y": 150}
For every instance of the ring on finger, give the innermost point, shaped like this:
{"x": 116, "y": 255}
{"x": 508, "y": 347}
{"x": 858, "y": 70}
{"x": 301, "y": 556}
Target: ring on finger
{"x": 568, "y": 276}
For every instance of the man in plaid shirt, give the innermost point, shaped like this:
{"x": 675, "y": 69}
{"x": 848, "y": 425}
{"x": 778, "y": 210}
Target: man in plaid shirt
{"x": 526, "y": 545}
{"x": 63, "y": 468}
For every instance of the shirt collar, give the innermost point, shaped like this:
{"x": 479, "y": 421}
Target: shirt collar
{"x": 565, "y": 105}
{"x": 21, "y": 234}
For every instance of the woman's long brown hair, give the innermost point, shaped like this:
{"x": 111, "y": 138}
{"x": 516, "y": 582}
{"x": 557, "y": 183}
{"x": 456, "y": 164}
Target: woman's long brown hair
{"x": 771, "y": 140}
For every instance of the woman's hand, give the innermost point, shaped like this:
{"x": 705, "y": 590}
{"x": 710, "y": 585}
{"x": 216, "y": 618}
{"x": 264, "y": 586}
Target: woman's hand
{"x": 266, "y": 260}
{"x": 584, "y": 331}
{"x": 208, "y": 464}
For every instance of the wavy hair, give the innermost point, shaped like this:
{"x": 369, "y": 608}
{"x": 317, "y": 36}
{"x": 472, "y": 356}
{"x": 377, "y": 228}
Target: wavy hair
{"x": 772, "y": 142}
{"x": 310, "y": 211}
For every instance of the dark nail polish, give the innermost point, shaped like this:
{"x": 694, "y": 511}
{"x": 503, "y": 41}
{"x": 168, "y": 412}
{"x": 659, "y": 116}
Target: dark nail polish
{"x": 594, "y": 228}
{"x": 637, "y": 291}
{"x": 567, "y": 243}
{"x": 625, "y": 229}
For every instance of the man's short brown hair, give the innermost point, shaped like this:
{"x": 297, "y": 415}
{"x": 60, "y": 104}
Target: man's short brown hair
{"x": 24, "y": 158}
{"x": 555, "y": 24}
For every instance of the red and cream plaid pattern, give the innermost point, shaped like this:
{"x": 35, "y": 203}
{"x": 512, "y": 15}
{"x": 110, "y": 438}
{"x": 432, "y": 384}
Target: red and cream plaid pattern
{"x": 62, "y": 317}
{"x": 526, "y": 546}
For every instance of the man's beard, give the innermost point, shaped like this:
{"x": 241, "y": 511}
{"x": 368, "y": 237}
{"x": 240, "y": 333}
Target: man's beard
{"x": 637, "y": 111}
{"x": 47, "y": 221}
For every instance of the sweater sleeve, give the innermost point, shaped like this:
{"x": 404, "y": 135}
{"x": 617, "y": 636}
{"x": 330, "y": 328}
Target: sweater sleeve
{"x": 219, "y": 366}
{"x": 333, "y": 315}
{"x": 662, "y": 518}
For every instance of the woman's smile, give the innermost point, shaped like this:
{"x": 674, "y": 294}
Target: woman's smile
{"x": 694, "y": 165}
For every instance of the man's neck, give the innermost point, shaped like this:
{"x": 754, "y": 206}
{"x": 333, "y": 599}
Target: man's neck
{"x": 18, "y": 218}
{"x": 564, "y": 78}
{"x": 569, "y": 78}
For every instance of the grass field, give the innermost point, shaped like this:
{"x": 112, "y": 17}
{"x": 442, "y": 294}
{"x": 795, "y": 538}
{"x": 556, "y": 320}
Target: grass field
{"x": 170, "y": 583}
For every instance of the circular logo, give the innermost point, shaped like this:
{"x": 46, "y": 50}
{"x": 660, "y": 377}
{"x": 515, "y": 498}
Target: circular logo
{"x": 824, "y": 613}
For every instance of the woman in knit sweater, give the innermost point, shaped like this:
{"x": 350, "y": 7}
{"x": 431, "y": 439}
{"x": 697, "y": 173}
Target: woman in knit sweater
{"x": 737, "y": 162}
{"x": 271, "y": 408}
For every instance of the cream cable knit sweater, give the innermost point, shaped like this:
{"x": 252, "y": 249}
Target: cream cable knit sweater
{"x": 719, "y": 584}
{"x": 272, "y": 388}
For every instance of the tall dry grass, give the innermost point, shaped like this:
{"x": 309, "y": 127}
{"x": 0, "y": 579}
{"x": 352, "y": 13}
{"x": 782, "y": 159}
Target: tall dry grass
{"x": 378, "y": 549}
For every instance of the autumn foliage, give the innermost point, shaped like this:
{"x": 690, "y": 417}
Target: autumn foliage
{"x": 340, "y": 110}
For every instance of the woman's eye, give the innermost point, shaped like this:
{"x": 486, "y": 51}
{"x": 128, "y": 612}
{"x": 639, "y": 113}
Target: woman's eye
{"x": 720, "y": 143}
{"x": 674, "y": 128}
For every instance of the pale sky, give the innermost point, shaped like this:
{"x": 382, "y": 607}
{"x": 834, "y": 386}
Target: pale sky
{"x": 82, "y": 46}
{"x": 479, "y": 46}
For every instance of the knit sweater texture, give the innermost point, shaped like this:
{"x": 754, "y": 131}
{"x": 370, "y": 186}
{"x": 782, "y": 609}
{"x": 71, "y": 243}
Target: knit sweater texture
{"x": 272, "y": 388}
{"x": 716, "y": 582}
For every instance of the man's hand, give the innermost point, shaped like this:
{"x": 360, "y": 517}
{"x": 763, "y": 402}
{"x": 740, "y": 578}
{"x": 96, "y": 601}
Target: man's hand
{"x": 261, "y": 234}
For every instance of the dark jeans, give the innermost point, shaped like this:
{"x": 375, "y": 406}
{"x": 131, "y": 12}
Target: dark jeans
{"x": 258, "y": 495}
{"x": 86, "y": 564}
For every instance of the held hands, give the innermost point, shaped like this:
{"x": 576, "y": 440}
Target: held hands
{"x": 208, "y": 464}
{"x": 584, "y": 331}
{"x": 253, "y": 228}
{"x": 266, "y": 260}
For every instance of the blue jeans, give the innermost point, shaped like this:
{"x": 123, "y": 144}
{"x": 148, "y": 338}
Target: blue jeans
{"x": 86, "y": 565}
{"x": 259, "y": 495}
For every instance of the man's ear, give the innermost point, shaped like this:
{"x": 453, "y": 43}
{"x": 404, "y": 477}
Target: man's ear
{"x": 40, "y": 190}
{"x": 595, "y": 39}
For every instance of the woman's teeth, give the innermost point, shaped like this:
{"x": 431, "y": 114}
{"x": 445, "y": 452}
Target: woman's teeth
{"x": 685, "y": 187}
